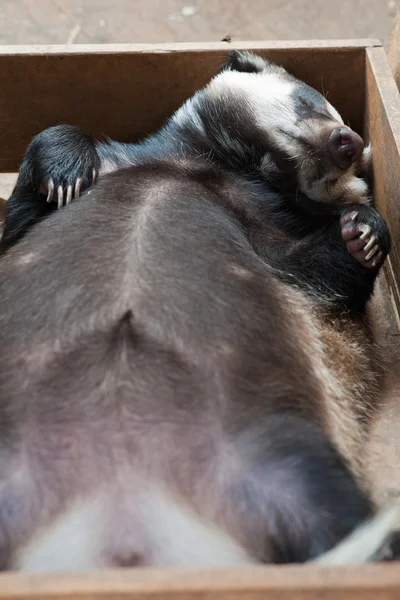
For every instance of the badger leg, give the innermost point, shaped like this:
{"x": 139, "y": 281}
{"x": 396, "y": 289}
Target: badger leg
{"x": 371, "y": 541}
{"x": 295, "y": 498}
{"x": 61, "y": 162}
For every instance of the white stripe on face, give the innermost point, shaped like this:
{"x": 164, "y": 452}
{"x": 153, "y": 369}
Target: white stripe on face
{"x": 334, "y": 113}
{"x": 267, "y": 97}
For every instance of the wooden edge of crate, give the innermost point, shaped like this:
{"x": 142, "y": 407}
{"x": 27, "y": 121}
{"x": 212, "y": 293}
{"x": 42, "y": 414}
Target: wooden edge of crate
{"x": 383, "y": 116}
{"x": 371, "y": 582}
{"x": 248, "y": 583}
{"x": 314, "y": 45}
{"x": 393, "y": 50}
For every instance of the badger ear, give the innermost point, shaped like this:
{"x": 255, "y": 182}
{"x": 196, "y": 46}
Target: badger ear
{"x": 245, "y": 62}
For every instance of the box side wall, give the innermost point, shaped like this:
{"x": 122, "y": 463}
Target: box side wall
{"x": 374, "y": 582}
{"x": 383, "y": 123}
{"x": 394, "y": 50}
{"x": 128, "y": 95}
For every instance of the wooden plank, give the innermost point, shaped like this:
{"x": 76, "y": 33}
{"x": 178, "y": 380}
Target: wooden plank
{"x": 2, "y": 212}
{"x": 383, "y": 123}
{"x": 393, "y": 50}
{"x": 190, "y": 46}
{"x": 127, "y": 92}
{"x": 7, "y": 182}
{"x": 377, "y": 582}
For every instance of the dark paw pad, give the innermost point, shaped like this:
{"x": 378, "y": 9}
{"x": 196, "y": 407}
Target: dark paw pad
{"x": 366, "y": 235}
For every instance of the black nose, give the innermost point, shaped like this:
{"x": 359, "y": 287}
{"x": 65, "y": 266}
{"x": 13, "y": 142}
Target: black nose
{"x": 345, "y": 147}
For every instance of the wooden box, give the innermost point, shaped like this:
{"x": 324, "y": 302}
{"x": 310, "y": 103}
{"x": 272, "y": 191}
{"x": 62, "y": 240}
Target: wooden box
{"x": 126, "y": 92}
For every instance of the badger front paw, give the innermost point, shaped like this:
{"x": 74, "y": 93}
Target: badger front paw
{"x": 61, "y": 192}
{"x": 62, "y": 162}
{"x": 366, "y": 235}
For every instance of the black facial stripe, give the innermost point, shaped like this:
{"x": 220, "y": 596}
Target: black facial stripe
{"x": 309, "y": 103}
{"x": 236, "y": 141}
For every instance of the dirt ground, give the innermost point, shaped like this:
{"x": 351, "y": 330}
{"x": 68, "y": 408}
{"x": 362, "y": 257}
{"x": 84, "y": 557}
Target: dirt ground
{"x": 102, "y": 21}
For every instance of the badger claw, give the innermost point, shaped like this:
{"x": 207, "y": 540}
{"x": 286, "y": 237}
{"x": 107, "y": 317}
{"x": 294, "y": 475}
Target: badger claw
{"x": 50, "y": 190}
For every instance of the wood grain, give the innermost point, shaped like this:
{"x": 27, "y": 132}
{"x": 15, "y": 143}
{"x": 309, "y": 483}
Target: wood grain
{"x": 257, "y": 583}
{"x": 127, "y": 91}
{"x": 383, "y": 123}
{"x": 197, "y": 47}
{"x": 393, "y": 50}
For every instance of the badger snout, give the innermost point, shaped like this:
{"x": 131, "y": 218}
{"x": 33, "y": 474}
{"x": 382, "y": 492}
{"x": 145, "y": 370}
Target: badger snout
{"x": 345, "y": 147}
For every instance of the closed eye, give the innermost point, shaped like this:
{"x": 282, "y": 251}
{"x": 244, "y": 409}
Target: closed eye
{"x": 300, "y": 139}
{"x": 315, "y": 111}
{"x": 289, "y": 134}
{"x": 306, "y": 103}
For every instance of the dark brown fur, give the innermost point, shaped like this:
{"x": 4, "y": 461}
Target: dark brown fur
{"x": 163, "y": 346}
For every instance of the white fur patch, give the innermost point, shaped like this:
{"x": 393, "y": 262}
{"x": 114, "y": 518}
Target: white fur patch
{"x": 71, "y": 543}
{"x": 29, "y": 258}
{"x": 179, "y": 538}
{"x": 351, "y": 188}
{"x": 173, "y": 535}
{"x": 366, "y": 157}
{"x": 332, "y": 111}
{"x": 358, "y": 188}
{"x": 188, "y": 114}
{"x": 240, "y": 272}
{"x": 269, "y": 98}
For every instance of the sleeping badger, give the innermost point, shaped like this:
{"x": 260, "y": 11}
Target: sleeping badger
{"x": 186, "y": 372}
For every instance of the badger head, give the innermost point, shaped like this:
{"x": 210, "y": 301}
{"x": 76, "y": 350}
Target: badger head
{"x": 256, "y": 117}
